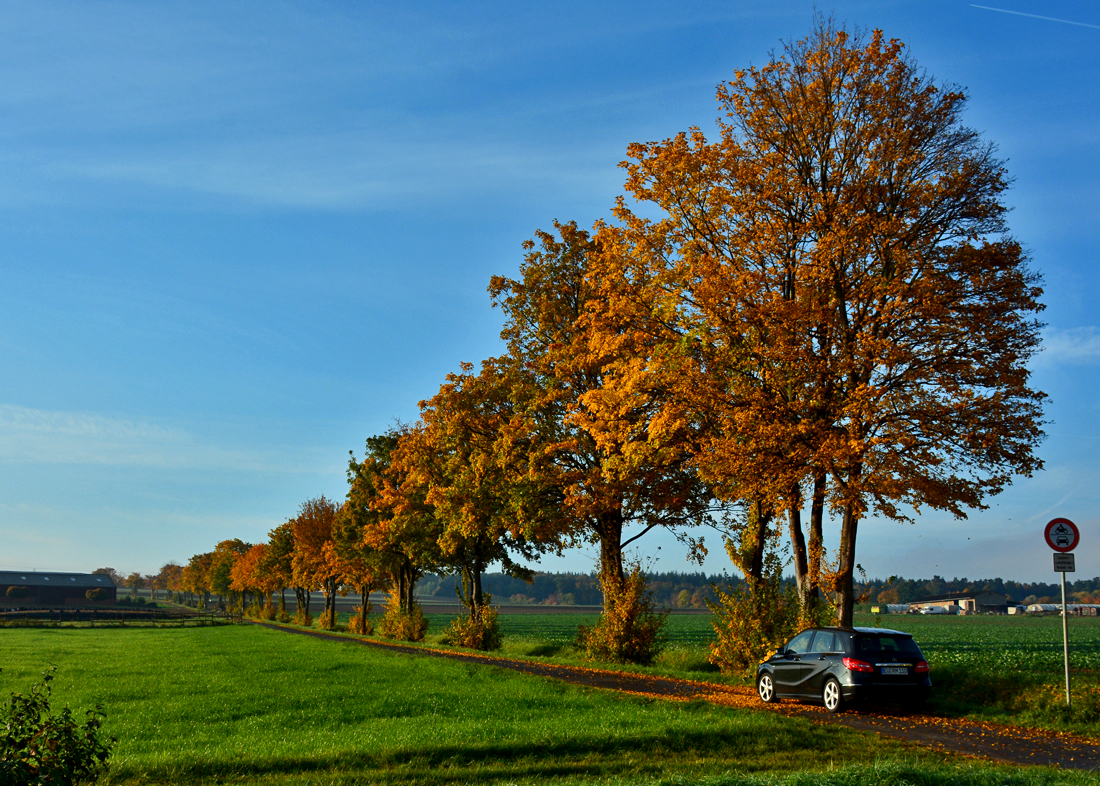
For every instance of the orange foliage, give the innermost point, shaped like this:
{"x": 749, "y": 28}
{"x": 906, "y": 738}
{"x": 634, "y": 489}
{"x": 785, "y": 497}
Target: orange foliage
{"x": 314, "y": 562}
{"x": 833, "y": 292}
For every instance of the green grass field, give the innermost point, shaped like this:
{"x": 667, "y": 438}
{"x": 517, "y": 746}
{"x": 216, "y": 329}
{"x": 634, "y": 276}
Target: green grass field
{"x": 241, "y": 704}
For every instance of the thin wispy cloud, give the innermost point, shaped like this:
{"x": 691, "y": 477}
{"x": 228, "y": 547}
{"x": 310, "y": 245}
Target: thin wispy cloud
{"x": 34, "y": 436}
{"x": 1036, "y": 16}
{"x": 1074, "y": 345}
{"x": 344, "y": 171}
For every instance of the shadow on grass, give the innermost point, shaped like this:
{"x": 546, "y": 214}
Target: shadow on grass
{"x": 544, "y": 650}
{"x": 758, "y": 749}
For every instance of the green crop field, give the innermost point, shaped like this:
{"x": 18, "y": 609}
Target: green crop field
{"x": 1023, "y": 643}
{"x": 246, "y": 705}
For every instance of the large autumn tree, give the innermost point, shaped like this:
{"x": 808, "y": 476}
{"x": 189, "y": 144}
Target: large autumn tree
{"x": 596, "y": 476}
{"x": 834, "y": 275}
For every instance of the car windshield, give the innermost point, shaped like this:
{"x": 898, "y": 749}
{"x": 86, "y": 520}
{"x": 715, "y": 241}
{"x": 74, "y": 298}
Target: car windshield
{"x": 886, "y": 645}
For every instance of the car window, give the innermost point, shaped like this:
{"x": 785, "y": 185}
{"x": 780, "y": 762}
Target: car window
{"x": 825, "y": 641}
{"x": 886, "y": 645}
{"x": 801, "y": 642}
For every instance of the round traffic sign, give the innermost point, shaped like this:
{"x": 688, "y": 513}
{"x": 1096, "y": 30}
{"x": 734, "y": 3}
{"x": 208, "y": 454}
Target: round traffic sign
{"x": 1062, "y": 535}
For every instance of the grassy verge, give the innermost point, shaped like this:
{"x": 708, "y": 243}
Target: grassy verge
{"x": 1010, "y": 669}
{"x": 241, "y": 704}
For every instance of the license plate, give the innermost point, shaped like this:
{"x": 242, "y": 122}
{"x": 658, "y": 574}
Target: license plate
{"x": 895, "y": 670}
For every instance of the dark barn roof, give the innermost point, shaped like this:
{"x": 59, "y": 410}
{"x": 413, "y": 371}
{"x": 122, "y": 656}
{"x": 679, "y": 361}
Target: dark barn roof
{"x": 27, "y": 578}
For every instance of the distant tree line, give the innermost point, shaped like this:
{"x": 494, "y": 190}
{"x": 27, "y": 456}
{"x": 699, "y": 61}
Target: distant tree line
{"x": 901, "y": 590}
{"x": 669, "y": 590}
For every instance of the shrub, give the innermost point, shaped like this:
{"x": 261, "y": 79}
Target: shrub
{"x": 361, "y": 623}
{"x": 302, "y": 617}
{"x": 325, "y": 622}
{"x": 480, "y": 631}
{"x": 630, "y": 630}
{"x": 750, "y": 622}
{"x": 38, "y": 747}
{"x": 404, "y": 625}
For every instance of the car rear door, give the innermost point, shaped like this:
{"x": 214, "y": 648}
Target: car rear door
{"x": 824, "y": 653}
{"x": 789, "y": 669}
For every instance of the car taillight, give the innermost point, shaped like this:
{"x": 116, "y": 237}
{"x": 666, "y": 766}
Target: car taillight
{"x": 921, "y": 668}
{"x": 852, "y": 664}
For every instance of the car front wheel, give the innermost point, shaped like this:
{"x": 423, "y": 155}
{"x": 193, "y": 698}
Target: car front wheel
{"x": 766, "y": 688}
{"x": 831, "y": 696}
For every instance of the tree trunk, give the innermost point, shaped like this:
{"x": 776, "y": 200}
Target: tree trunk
{"x": 847, "y": 558}
{"x": 302, "y": 596}
{"x": 759, "y": 534}
{"x": 816, "y": 544}
{"x": 407, "y": 575}
{"x": 609, "y": 528}
{"x": 478, "y": 597}
{"x": 798, "y": 548}
{"x": 330, "y": 602}
{"x": 364, "y": 607}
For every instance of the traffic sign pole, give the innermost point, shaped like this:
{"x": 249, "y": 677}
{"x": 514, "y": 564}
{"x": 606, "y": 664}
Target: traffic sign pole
{"x": 1065, "y": 637}
{"x": 1063, "y": 536}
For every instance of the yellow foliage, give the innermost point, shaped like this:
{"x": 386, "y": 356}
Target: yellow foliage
{"x": 403, "y": 625}
{"x": 361, "y": 623}
{"x": 479, "y": 631}
{"x": 630, "y": 630}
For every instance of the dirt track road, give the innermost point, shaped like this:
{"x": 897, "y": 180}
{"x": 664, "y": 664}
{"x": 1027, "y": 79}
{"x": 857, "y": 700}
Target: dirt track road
{"x": 1007, "y": 744}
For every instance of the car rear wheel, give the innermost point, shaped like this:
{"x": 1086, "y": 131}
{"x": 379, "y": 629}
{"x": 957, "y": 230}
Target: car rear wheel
{"x": 766, "y": 688}
{"x": 831, "y": 696}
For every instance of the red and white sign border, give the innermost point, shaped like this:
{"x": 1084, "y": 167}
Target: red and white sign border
{"x": 1050, "y": 540}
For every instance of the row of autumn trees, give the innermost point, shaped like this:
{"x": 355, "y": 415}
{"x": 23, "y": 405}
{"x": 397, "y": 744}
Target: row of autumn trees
{"x": 818, "y": 315}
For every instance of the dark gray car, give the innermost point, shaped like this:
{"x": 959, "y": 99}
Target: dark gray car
{"x": 835, "y": 666}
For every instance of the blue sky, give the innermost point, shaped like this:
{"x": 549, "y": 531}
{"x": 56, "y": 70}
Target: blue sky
{"x": 238, "y": 238}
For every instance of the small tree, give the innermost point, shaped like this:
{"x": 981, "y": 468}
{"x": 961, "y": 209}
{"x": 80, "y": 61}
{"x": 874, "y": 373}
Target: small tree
{"x": 135, "y": 581}
{"x": 38, "y": 747}
{"x": 313, "y": 561}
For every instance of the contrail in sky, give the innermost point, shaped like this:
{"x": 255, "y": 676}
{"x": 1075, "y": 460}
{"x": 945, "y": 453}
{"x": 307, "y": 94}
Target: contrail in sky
{"x": 1035, "y": 16}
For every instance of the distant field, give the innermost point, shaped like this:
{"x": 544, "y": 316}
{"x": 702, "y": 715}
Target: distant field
{"x": 245, "y": 705}
{"x": 996, "y": 643}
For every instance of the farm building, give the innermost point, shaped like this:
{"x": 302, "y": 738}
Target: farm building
{"x": 1075, "y": 609}
{"x": 28, "y": 588}
{"x": 967, "y": 602}
{"x": 890, "y": 608}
